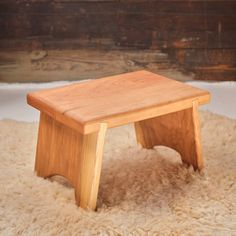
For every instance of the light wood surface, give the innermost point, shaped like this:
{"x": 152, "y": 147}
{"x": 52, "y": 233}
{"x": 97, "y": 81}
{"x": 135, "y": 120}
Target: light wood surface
{"x": 115, "y": 100}
{"x": 74, "y": 120}
{"x": 178, "y": 130}
{"x": 90, "y": 160}
{"x": 64, "y": 151}
{"x": 58, "y": 149}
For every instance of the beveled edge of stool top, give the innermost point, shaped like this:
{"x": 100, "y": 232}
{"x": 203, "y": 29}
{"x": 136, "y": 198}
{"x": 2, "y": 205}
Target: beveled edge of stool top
{"x": 116, "y": 100}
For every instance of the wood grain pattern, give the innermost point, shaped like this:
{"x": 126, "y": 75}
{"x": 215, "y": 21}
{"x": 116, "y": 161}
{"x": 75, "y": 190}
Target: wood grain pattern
{"x": 58, "y": 149}
{"x": 116, "y": 100}
{"x": 116, "y": 20}
{"x": 74, "y": 120}
{"x": 64, "y": 151}
{"x": 164, "y": 25}
{"x": 178, "y": 130}
{"x": 90, "y": 168}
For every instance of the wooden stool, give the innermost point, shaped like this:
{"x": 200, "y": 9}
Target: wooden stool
{"x": 74, "y": 120}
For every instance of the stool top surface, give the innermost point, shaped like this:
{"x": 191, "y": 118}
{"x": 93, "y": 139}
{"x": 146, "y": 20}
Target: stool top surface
{"x": 111, "y": 99}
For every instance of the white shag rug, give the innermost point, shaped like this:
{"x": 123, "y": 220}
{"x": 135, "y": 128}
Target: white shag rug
{"x": 142, "y": 192}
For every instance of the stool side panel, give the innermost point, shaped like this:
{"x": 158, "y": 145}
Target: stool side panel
{"x": 178, "y": 130}
{"x": 141, "y": 114}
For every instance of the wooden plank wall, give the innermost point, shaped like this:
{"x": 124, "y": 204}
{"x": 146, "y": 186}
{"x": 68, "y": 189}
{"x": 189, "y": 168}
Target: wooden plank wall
{"x": 199, "y": 35}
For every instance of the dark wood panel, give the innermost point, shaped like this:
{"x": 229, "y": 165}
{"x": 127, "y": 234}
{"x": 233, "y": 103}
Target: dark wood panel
{"x": 175, "y": 22}
{"x": 75, "y": 18}
{"x": 166, "y": 31}
{"x": 210, "y": 57}
{"x": 199, "y": 35}
{"x": 220, "y": 73}
{"x": 142, "y": 7}
{"x": 176, "y": 39}
{"x": 208, "y": 64}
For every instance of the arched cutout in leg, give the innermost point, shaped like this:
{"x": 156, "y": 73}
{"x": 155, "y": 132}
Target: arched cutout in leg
{"x": 178, "y": 130}
{"x": 63, "y": 151}
{"x": 58, "y": 149}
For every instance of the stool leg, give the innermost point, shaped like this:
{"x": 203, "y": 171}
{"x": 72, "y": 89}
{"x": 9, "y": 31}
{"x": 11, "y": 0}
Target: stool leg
{"x": 178, "y": 130}
{"x": 58, "y": 149}
{"x": 63, "y": 151}
{"x": 90, "y": 164}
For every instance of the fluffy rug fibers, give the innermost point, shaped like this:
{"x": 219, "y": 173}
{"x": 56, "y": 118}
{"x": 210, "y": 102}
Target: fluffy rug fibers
{"x": 142, "y": 192}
